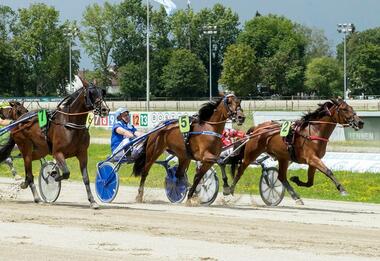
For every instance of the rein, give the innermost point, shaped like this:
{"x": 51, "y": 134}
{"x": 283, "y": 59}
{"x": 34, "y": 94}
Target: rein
{"x": 74, "y": 113}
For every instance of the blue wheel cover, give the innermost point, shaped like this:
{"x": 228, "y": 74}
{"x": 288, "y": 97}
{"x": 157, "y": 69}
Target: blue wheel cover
{"x": 106, "y": 182}
{"x": 175, "y": 189}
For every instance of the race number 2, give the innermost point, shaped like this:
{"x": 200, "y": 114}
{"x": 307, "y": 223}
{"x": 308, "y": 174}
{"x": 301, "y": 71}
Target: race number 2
{"x": 184, "y": 124}
{"x": 285, "y": 128}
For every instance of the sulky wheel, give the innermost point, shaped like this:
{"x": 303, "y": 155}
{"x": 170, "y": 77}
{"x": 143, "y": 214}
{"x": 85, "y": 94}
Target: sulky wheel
{"x": 208, "y": 187}
{"x": 271, "y": 189}
{"x": 106, "y": 182}
{"x": 49, "y": 188}
{"x": 175, "y": 188}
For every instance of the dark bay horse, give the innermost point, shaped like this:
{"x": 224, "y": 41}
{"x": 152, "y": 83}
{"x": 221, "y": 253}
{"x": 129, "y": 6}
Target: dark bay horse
{"x": 311, "y": 134}
{"x": 12, "y": 111}
{"x": 65, "y": 136}
{"x": 204, "y": 142}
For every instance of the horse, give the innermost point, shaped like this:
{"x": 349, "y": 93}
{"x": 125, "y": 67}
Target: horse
{"x": 204, "y": 142}
{"x": 311, "y": 134}
{"x": 65, "y": 136}
{"x": 12, "y": 111}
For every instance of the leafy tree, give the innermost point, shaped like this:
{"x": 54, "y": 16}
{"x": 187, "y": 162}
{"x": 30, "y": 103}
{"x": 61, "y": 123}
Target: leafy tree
{"x": 7, "y": 20}
{"x": 240, "y": 73}
{"x": 41, "y": 47}
{"x": 98, "y": 37}
{"x": 133, "y": 80}
{"x": 280, "y": 49}
{"x": 184, "y": 75}
{"x": 187, "y": 31}
{"x": 317, "y": 44}
{"x": 362, "y": 61}
{"x": 324, "y": 77}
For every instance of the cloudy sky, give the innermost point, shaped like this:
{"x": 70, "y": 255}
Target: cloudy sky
{"x": 323, "y": 14}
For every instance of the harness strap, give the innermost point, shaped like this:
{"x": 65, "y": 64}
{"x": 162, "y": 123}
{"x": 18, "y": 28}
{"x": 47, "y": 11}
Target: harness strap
{"x": 210, "y": 133}
{"x": 318, "y": 138}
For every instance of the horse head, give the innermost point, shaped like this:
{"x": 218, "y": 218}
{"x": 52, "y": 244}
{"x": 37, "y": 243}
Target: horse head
{"x": 234, "y": 110}
{"x": 13, "y": 111}
{"x": 345, "y": 114}
{"x": 94, "y": 99}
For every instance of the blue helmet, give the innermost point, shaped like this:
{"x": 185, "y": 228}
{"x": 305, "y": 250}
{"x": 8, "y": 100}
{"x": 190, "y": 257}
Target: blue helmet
{"x": 120, "y": 111}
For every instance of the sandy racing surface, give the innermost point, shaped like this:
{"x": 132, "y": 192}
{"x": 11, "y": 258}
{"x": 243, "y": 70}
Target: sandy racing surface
{"x": 158, "y": 230}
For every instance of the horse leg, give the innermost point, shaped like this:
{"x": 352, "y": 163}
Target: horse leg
{"x": 29, "y": 178}
{"x": 9, "y": 162}
{"x": 63, "y": 166}
{"x": 283, "y": 168}
{"x": 317, "y": 163}
{"x": 201, "y": 170}
{"x": 183, "y": 165}
{"x": 83, "y": 157}
{"x": 226, "y": 187}
{"x": 310, "y": 178}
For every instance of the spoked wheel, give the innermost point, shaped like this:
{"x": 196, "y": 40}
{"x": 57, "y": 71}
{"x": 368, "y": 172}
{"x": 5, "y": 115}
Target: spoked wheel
{"x": 208, "y": 187}
{"x": 49, "y": 188}
{"x": 106, "y": 182}
{"x": 175, "y": 188}
{"x": 271, "y": 189}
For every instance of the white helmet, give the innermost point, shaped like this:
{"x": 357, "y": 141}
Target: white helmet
{"x": 120, "y": 111}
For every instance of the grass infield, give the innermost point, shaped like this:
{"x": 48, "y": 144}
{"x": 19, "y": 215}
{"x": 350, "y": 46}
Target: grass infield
{"x": 362, "y": 187}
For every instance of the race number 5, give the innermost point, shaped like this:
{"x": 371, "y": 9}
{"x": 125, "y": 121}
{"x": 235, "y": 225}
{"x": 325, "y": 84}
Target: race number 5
{"x": 184, "y": 124}
{"x": 285, "y": 127}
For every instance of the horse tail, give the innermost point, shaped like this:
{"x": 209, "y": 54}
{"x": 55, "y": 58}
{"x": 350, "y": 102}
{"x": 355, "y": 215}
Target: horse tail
{"x": 6, "y": 149}
{"x": 140, "y": 161}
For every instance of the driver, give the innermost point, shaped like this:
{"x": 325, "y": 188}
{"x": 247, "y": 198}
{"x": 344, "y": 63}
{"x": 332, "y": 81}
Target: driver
{"x": 123, "y": 131}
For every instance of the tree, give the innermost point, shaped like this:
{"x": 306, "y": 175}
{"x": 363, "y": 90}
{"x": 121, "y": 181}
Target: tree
{"x": 317, "y": 44}
{"x": 240, "y": 73}
{"x": 132, "y": 79}
{"x": 324, "y": 77}
{"x": 362, "y": 61}
{"x": 184, "y": 75}
{"x": 187, "y": 31}
{"x": 41, "y": 48}
{"x": 280, "y": 50}
{"x": 98, "y": 37}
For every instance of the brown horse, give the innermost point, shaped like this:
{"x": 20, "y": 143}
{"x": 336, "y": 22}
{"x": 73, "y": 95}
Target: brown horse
{"x": 204, "y": 142}
{"x": 65, "y": 136}
{"x": 311, "y": 134}
{"x": 13, "y": 111}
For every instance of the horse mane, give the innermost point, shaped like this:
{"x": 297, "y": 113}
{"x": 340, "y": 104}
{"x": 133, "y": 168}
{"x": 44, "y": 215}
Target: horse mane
{"x": 318, "y": 113}
{"x": 70, "y": 98}
{"x": 208, "y": 109}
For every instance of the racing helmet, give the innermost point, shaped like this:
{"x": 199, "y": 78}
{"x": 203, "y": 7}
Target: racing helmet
{"x": 120, "y": 111}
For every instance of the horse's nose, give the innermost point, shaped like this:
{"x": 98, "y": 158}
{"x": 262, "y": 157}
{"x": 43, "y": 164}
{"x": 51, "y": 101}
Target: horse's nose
{"x": 361, "y": 124}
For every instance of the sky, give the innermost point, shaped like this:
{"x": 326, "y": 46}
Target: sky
{"x": 322, "y": 14}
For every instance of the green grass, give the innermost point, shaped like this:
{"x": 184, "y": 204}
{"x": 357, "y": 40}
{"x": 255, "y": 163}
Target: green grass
{"x": 362, "y": 187}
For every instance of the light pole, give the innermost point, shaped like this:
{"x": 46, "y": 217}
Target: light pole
{"x": 71, "y": 31}
{"x": 210, "y": 30}
{"x": 345, "y": 28}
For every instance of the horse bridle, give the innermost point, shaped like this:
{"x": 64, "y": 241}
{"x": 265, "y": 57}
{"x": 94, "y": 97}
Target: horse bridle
{"x": 338, "y": 109}
{"x": 230, "y": 113}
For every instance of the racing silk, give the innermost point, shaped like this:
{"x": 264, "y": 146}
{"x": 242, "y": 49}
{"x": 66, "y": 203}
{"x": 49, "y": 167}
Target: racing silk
{"x": 117, "y": 138}
{"x": 231, "y": 135}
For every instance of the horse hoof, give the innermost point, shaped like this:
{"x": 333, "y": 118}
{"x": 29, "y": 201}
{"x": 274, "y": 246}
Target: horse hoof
{"x": 344, "y": 193}
{"x": 139, "y": 199}
{"x": 299, "y": 202}
{"x": 94, "y": 205}
{"x": 226, "y": 191}
{"x": 193, "y": 202}
{"x": 38, "y": 201}
{"x": 24, "y": 185}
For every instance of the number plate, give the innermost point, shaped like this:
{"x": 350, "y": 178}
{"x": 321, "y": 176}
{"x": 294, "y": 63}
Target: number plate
{"x": 285, "y": 128}
{"x": 184, "y": 124}
{"x": 42, "y": 118}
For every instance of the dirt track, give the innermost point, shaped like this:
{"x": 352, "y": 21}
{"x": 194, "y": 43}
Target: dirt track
{"x": 158, "y": 230}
